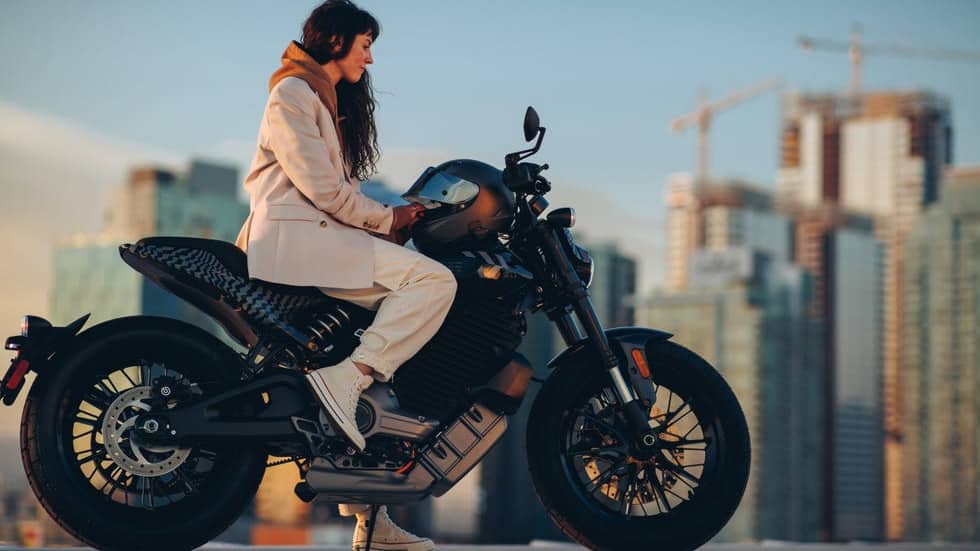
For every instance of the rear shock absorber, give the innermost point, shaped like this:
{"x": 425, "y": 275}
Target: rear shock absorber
{"x": 323, "y": 327}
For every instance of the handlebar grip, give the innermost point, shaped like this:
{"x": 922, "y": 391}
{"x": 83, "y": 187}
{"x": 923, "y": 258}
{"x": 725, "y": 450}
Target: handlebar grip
{"x": 541, "y": 185}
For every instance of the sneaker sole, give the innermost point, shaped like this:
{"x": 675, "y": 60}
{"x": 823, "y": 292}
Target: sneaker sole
{"x": 334, "y": 411}
{"x": 394, "y": 546}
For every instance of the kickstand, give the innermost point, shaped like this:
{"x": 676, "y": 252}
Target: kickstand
{"x": 370, "y": 534}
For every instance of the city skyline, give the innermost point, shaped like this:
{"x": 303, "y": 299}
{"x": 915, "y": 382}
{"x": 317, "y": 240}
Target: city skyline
{"x": 802, "y": 229}
{"x": 73, "y": 127}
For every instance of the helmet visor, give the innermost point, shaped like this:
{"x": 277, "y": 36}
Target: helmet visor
{"x": 441, "y": 187}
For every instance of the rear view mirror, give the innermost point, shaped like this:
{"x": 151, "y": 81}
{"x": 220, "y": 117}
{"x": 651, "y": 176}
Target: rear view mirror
{"x": 531, "y": 124}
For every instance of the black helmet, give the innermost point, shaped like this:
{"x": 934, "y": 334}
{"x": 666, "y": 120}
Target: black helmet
{"x": 468, "y": 204}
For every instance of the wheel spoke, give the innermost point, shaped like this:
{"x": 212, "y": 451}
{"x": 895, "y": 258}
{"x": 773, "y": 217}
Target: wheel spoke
{"x": 642, "y": 507}
{"x": 596, "y": 420}
{"x": 86, "y": 418}
{"x": 133, "y": 383}
{"x": 599, "y": 454}
{"x": 673, "y": 422}
{"x": 606, "y": 426}
{"x": 629, "y": 494}
{"x": 185, "y": 479}
{"x": 671, "y": 492}
{"x": 682, "y": 444}
{"x": 675, "y": 469}
{"x": 602, "y": 479}
{"x": 690, "y": 430}
{"x": 669, "y": 419}
{"x": 658, "y": 489}
{"x": 100, "y": 396}
{"x": 597, "y": 447}
{"x": 86, "y": 456}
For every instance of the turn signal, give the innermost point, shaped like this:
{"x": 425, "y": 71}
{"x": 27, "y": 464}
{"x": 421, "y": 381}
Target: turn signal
{"x": 489, "y": 271}
{"x": 641, "y": 362}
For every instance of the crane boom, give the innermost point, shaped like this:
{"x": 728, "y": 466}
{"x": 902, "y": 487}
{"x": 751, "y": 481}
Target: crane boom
{"x": 706, "y": 110}
{"x": 857, "y": 50}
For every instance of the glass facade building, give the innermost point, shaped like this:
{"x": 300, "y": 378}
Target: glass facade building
{"x": 880, "y": 154}
{"x": 746, "y": 313}
{"x": 942, "y": 366}
{"x": 856, "y": 436}
{"x": 89, "y": 275}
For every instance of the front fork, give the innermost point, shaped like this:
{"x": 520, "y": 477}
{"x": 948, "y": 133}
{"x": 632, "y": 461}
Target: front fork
{"x": 633, "y": 407}
{"x": 581, "y": 302}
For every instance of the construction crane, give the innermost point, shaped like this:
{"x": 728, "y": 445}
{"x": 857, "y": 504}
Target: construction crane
{"x": 707, "y": 110}
{"x": 856, "y": 49}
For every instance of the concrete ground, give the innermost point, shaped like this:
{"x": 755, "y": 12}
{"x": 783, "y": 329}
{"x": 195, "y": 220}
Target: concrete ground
{"x": 548, "y": 546}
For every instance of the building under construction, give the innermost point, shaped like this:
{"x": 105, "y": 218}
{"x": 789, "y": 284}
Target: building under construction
{"x": 881, "y": 155}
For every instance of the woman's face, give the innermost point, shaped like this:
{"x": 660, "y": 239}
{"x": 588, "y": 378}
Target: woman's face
{"x": 352, "y": 66}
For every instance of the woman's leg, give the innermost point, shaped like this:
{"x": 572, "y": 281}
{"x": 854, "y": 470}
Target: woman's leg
{"x": 412, "y": 294}
{"x": 386, "y": 536}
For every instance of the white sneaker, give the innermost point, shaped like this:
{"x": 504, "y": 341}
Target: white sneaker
{"x": 339, "y": 387}
{"x": 387, "y": 535}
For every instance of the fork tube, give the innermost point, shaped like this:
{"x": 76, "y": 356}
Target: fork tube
{"x": 582, "y": 305}
{"x": 567, "y": 328}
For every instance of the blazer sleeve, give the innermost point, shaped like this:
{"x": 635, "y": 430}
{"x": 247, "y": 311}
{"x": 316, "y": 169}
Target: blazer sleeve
{"x": 295, "y": 139}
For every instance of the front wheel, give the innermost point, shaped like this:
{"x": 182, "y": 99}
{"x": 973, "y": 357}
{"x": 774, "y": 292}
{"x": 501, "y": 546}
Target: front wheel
{"x": 608, "y": 495}
{"x": 88, "y": 465}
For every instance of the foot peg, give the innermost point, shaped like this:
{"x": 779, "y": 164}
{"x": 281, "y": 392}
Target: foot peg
{"x": 304, "y": 492}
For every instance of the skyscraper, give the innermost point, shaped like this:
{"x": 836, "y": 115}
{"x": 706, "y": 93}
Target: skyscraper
{"x": 942, "y": 347}
{"x": 89, "y": 275}
{"x": 746, "y": 312}
{"x": 879, "y": 154}
{"x": 613, "y": 286}
{"x": 855, "y": 436}
{"x": 682, "y": 229}
{"x": 717, "y": 215}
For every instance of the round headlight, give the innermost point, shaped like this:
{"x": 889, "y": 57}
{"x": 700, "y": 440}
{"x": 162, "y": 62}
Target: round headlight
{"x": 588, "y": 282}
{"x": 584, "y": 264}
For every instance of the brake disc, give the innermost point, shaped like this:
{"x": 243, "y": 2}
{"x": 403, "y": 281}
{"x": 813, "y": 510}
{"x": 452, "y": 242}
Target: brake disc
{"x": 135, "y": 458}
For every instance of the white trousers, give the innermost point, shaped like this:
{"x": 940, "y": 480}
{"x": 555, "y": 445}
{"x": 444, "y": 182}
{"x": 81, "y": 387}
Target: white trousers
{"x": 412, "y": 294}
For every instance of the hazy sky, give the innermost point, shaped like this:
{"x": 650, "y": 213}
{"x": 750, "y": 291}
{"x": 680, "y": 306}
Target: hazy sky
{"x": 89, "y": 88}
{"x": 454, "y": 77}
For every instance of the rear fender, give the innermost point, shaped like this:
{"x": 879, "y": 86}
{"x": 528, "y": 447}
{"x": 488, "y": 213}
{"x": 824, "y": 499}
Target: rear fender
{"x": 623, "y": 340}
{"x": 34, "y": 352}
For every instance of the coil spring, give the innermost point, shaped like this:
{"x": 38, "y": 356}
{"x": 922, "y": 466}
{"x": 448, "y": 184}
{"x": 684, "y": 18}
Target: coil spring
{"x": 323, "y": 327}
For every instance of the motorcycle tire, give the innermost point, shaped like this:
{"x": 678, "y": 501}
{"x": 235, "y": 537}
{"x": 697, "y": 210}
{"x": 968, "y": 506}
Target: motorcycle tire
{"x": 205, "y": 492}
{"x": 568, "y": 450}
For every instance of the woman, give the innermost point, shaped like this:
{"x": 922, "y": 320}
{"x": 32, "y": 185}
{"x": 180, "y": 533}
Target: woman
{"x": 309, "y": 224}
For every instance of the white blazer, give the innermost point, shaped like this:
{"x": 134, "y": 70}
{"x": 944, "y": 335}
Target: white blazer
{"x": 308, "y": 219}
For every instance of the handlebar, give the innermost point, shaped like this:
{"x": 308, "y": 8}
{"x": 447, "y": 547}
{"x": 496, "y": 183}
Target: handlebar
{"x": 526, "y": 178}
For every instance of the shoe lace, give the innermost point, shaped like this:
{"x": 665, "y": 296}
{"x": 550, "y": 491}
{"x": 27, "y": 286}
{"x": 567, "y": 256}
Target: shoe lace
{"x": 353, "y": 394}
{"x": 394, "y": 529}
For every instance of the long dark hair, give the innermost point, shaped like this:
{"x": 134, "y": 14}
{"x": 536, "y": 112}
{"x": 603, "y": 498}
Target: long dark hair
{"x": 342, "y": 21}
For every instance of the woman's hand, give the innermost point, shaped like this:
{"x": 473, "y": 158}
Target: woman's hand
{"x": 404, "y": 217}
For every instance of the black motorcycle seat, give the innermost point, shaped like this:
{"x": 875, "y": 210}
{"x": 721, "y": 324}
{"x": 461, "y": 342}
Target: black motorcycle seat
{"x": 228, "y": 254}
{"x": 213, "y": 275}
{"x": 231, "y": 257}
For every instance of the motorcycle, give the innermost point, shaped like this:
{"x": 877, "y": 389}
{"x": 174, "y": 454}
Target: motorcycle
{"x": 150, "y": 433}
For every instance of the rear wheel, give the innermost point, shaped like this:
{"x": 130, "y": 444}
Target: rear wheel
{"x": 605, "y": 493}
{"x": 90, "y": 469}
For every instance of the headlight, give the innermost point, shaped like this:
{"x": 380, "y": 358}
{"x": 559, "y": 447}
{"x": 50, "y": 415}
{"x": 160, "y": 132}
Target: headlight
{"x": 584, "y": 264}
{"x": 580, "y": 258}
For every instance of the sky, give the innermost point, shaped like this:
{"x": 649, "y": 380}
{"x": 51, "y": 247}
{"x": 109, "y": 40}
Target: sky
{"x": 88, "y": 89}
